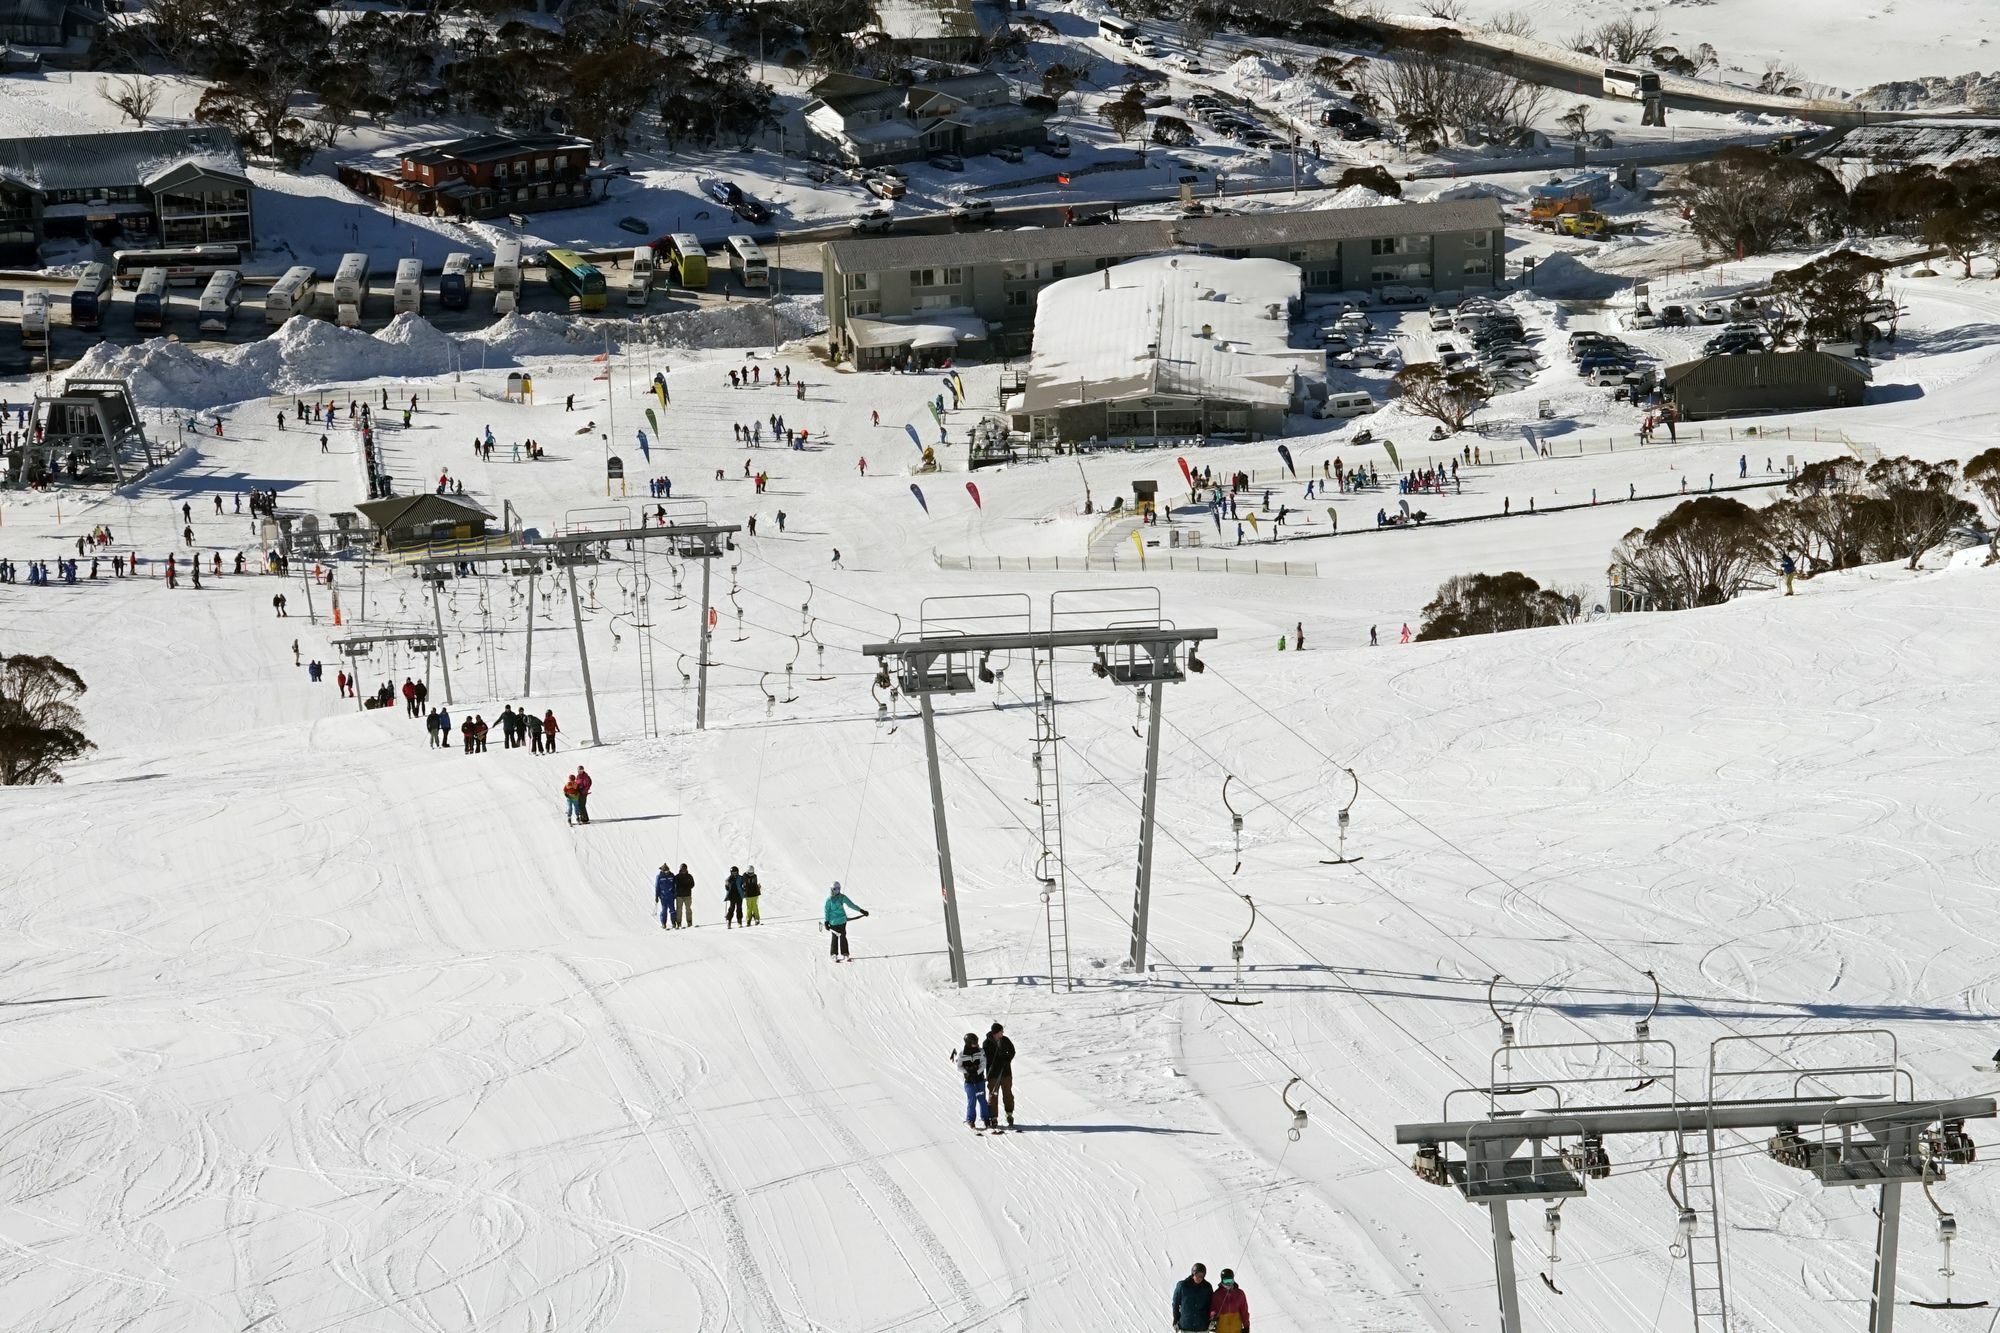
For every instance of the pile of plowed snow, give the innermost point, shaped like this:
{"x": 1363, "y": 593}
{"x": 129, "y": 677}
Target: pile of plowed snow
{"x": 310, "y": 353}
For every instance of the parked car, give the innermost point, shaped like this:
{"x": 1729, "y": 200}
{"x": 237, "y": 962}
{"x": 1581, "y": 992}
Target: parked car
{"x": 1007, "y": 152}
{"x": 1395, "y": 294}
{"x": 1184, "y": 62}
{"x": 973, "y": 212}
{"x": 1607, "y": 374}
{"x": 1712, "y": 312}
{"x": 1057, "y": 145}
{"x": 727, "y": 193}
{"x": 1673, "y": 316}
{"x": 885, "y": 187}
{"x": 637, "y": 226}
{"x": 1145, "y": 45}
{"x": 947, "y": 161}
{"x": 875, "y": 222}
{"x": 1642, "y": 318}
{"x": 1746, "y": 307}
{"x": 753, "y": 211}
{"x": 1440, "y": 320}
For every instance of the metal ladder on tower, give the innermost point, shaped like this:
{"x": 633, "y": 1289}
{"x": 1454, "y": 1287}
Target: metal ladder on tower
{"x": 1703, "y": 1186}
{"x": 487, "y": 656}
{"x": 642, "y": 625}
{"x": 1050, "y": 865}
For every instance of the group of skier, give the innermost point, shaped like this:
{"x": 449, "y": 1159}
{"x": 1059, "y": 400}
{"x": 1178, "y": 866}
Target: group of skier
{"x": 742, "y": 895}
{"x": 987, "y": 1070}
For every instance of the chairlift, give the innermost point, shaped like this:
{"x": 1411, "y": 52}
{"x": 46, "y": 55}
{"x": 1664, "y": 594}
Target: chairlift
{"x": 1236, "y": 952}
{"x": 680, "y": 665}
{"x": 770, "y": 699}
{"x": 1687, "y": 1220}
{"x": 1340, "y": 857}
{"x": 1642, "y": 1032}
{"x": 1552, "y": 1220}
{"x": 1947, "y": 1235}
{"x": 819, "y": 653}
{"x": 1298, "y": 1125}
{"x": 1506, "y": 1024}
{"x": 1235, "y": 820}
{"x": 791, "y": 693}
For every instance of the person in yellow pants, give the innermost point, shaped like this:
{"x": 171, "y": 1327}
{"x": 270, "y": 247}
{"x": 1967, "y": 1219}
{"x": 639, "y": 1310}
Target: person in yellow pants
{"x": 752, "y": 891}
{"x": 1230, "y": 1308}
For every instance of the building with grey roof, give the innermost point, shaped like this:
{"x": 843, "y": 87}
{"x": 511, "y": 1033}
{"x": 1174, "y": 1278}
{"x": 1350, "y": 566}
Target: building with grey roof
{"x": 173, "y": 187}
{"x": 890, "y": 299}
{"x": 61, "y": 32}
{"x": 872, "y": 122}
{"x": 1757, "y": 382}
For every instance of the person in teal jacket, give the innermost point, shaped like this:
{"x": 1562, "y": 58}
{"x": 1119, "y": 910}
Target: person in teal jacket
{"x": 834, "y": 922}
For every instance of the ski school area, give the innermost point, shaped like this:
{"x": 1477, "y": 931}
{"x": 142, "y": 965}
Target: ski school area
{"x": 314, "y": 1022}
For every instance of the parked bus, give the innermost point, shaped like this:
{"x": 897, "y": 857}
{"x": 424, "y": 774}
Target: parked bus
{"x": 149, "y": 307}
{"x": 639, "y": 285}
{"x": 219, "y": 301}
{"x": 35, "y": 319}
{"x": 1631, "y": 84}
{"x": 747, "y": 258}
{"x": 195, "y": 264}
{"x": 291, "y": 295}
{"x": 455, "y": 283}
{"x": 689, "y": 260}
{"x": 350, "y": 280}
{"x": 569, "y": 276}
{"x": 90, "y": 295}
{"x": 506, "y": 276}
{"x": 409, "y": 292}
{"x": 1114, "y": 29}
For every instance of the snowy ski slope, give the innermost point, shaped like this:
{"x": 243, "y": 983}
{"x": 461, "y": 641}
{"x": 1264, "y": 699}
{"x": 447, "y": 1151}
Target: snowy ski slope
{"x": 308, "y": 1027}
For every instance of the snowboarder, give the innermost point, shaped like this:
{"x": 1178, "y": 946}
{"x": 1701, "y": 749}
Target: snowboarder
{"x": 582, "y": 796}
{"x": 683, "y": 897}
{"x": 663, "y": 894}
{"x": 1230, "y": 1307}
{"x": 732, "y": 898}
{"x": 752, "y": 891}
{"x": 834, "y": 922}
{"x": 998, "y": 1049}
{"x": 1193, "y": 1299}
{"x": 972, "y": 1069}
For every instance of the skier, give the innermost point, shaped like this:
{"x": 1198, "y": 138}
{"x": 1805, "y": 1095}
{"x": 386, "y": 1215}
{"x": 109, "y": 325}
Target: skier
{"x": 549, "y": 731}
{"x": 1193, "y": 1299}
{"x": 998, "y": 1051}
{"x": 972, "y": 1069}
{"x": 683, "y": 897}
{"x": 834, "y": 922}
{"x": 732, "y": 898}
{"x": 1406, "y": 631}
{"x": 409, "y": 697}
{"x": 570, "y": 798}
{"x": 582, "y": 796}
{"x": 752, "y": 891}
{"x": 1373, "y": 642}
{"x": 295, "y": 652}
{"x": 1299, "y": 637}
{"x": 1230, "y": 1307}
{"x": 663, "y": 894}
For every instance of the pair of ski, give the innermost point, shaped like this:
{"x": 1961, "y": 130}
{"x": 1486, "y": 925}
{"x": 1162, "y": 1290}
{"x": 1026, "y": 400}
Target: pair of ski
{"x": 991, "y": 1129}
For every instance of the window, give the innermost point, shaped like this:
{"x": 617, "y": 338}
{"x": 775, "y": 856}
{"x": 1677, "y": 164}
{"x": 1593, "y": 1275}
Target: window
{"x": 935, "y": 301}
{"x": 1386, "y": 245}
{"x": 1478, "y": 240}
{"x": 1020, "y": 296}
{"x": 871, "y": 306}
{"x": 1323, "y": 277}
{"x": 1390, "y": 273}
{"x": 541, "y": 166}
{"x": 936, "y": 277}
{"x": 860, "y": 282}
{"x": 1478, "y": 267}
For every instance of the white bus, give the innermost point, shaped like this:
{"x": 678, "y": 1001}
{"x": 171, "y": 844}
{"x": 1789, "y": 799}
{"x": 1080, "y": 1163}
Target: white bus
{"x": 1630, "y": 84}
{"x": 455, "y": 282}
{"x": 194, "y": 264}
{"x": 409, "y": 298}
{"x": 90, "y": 295}
{"x": 639, "y": 285}
{"x": 747, "y": 258}
{"x": 291, "y": 295}
{"x": 219, "y": 301}
{"x": 350, "y": 280}
{"x": 149, "y": 307}
{"x": 35, "y": 319}
{"x": 1114, "y": 29}
{"x": 506, "y": 276}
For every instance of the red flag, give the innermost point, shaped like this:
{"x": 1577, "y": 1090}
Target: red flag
{"x": 974, "y": 490}
{"x": 1186, "y": 474}
{"x": 1062, "y": 179}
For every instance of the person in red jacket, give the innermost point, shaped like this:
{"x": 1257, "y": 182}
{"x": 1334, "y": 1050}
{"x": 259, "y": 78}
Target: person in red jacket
{"x": 1230, "y": 1308}
{"x": 582, "y": 796}
{"x": 549, "y": 731}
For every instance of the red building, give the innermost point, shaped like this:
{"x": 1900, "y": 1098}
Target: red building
{"x": 481, "y": 176}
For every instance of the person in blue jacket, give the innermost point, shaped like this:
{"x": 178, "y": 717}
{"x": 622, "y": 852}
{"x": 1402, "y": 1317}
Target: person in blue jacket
{"x": 663, "y": 894}
{"x": 834, "y": 922}
{"x": 1192, "y": 1299}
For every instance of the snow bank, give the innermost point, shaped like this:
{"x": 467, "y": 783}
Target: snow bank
{"x": 311, "y": 353}
{"x": 1355, "y": 196}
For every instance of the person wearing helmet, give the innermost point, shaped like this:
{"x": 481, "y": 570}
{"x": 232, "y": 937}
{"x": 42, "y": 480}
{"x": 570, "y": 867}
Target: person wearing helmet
{"x": 1230, "y": 1308}
{"x": 834, "y": 921}
{"x": 972, "y": 1069}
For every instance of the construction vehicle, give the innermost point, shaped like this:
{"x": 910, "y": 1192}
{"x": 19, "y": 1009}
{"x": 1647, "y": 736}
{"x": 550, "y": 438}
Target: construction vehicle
{"x": 1590, "y": 226}
{"x": 1543, "y": 212}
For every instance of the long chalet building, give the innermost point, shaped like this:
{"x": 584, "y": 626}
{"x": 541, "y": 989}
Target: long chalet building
{"x": 482, "y": 176}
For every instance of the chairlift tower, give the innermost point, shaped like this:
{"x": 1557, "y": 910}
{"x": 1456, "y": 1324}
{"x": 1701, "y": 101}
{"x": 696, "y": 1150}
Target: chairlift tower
{"x": 1871, "y": 1130}
{"x": 1130, "y": 644}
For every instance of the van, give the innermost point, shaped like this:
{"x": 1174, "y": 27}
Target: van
{"x": 1611, "y": 373}
{"x": 1340, "y": 406}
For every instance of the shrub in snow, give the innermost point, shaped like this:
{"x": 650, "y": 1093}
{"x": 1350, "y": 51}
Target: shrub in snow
{"x": 1494, "y": 603}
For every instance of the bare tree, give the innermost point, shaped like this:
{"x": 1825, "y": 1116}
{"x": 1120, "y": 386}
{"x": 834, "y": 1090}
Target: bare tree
{"x": 1621, "y": 39}
{"x": 1576, "y": 120}
{"x": 1919, "y": 504}
{"x": 1779, "y": 78}
{"x": 1513, "y": 23}
{"x": 1451, "y": 11}
{"x": 1702, "y": 553}
{"x": 1449, "y": 397}
{"x": 1983, "y": 475}
{"x": 1428, "y": 91}
{"x": 133, "y": 94}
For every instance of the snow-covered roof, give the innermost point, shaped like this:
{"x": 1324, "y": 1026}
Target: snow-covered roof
{"x": 1177, "y": 325}
{"x": 932, "y": 329}
{"x": 128, "y": 157}
{"x": 925, "y": 20}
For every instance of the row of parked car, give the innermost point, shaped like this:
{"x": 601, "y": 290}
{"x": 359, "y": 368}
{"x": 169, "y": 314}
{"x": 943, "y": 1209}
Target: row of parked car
{"x": 1232, "y": 120}
{"x": 732, "y": 197}
{"x": 1490, "y": 335}
{"x": 1604, "y": 358}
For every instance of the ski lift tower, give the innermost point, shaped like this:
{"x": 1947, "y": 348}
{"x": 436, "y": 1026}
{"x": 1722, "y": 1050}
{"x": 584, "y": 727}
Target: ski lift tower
{"x": 1128, "y": 642}
{"x": 90, "y": 431}
{"x": 1867, "y": 1129}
